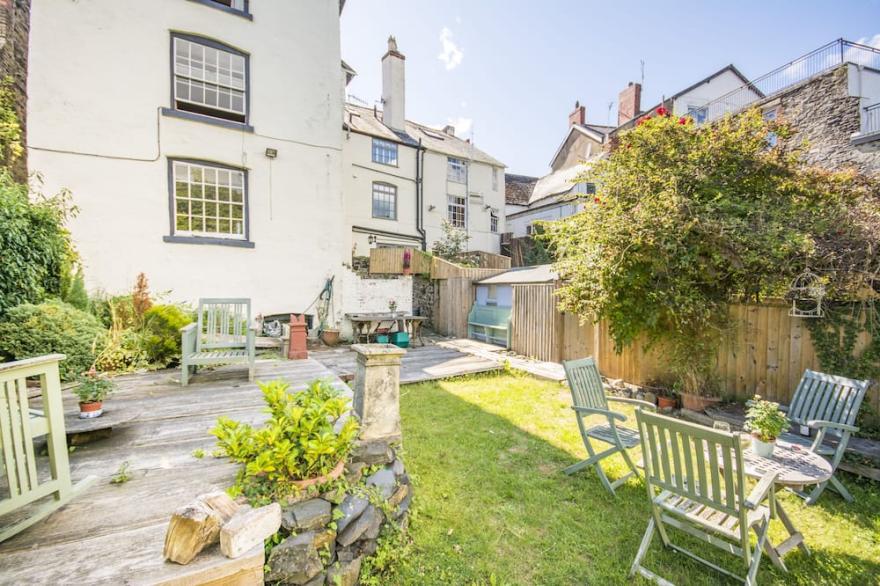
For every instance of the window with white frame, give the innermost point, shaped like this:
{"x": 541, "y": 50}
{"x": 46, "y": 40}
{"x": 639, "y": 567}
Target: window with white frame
{"x": 209, "y": 79}
{"x": 456, "y": 210}
{"x": 384, "y": 152}
{"x": 494, "y": 178}
{"x": 209, "y": 200}
{"x": 384, "y": 201}
{"x": 493, "y": 222}
{"x": 456, "y": 170}
{"x": 698, "y": 113}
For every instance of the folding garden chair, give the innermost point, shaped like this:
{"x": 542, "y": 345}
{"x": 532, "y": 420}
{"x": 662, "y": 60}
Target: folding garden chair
{"x": 588, "y": 397}
{"x": 696, "y": 484}
{"x": 826, "y": 404}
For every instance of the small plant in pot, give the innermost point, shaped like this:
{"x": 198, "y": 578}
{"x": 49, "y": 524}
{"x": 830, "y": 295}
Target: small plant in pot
{"x": 91, "y": 390}
{"x": 765, "y": 422}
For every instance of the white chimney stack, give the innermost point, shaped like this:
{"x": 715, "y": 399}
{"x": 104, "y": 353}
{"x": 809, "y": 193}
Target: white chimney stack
{"x": 393, "y": 87}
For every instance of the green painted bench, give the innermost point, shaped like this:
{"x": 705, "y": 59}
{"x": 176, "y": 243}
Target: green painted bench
{"x": 20, "y": 425}
{"x": 826, "y": 405}
{"x": 222, "y": 334}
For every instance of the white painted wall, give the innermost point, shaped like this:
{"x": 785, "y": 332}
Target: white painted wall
{"x": 518, "y": 224}
{"x": 709, "y": 91}
{"x": 864, "y": 83}
{"x": 372, "y": 296}
{"x": 99, "y": 73}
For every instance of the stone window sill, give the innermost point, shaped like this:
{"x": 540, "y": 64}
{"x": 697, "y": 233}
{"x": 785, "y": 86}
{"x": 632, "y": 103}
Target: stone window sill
{"x": 208, "y": 240}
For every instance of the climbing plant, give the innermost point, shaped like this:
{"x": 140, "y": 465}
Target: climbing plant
{"x": 689, "y": 219}
{"x": 10, "y": 129}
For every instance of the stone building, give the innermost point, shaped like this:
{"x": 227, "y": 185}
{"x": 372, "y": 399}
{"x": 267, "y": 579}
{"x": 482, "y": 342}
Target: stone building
{"x": 14, "y": 31}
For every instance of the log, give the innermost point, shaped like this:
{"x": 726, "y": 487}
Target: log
{"x": 248, "y": 528}
{"x": 197, "y": 525}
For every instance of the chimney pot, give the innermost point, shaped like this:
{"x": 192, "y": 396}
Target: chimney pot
{"x": 393, "y": 87}
{"x": 578, "y": 116}
{"x": 629, "y": 103}
{"x": 449, "y": 129}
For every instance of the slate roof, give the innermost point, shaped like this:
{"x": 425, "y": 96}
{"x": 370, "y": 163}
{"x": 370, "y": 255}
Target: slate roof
{"x": 369, "y": 121}
{"x": 518, "y": 188}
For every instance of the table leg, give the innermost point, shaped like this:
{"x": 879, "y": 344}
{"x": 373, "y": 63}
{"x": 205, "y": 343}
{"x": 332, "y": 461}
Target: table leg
{"x": 796, "y": 538}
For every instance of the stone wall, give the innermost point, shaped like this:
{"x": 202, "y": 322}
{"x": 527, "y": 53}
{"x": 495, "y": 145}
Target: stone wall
{"x": 822, "y": 113}
{"x": 14, "y": 34}
{"x": 424, "y": 293}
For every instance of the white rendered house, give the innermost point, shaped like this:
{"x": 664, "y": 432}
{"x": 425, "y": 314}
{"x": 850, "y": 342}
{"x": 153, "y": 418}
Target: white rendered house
{"x": 200, "y": 139}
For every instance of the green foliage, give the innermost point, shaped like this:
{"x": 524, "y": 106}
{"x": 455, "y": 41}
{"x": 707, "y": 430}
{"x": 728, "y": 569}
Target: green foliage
{"x": 688, "y": 220}
{"x": 765, "y": 420}
{"x": 123, "y": 474}
{"x": 76, "y": 294}
{"x": 162, "y": 324}
{"x": 452, "y": 244}
{"x": 394, "y": 546}
{"x": 198, "y": 453}
{"x": 37, "y": 251}
{"x": 537, "y": 254}
{"x": 297, "y": 442}
{"x": 10, "y": 129}
{"x": 33, "y": 330}
{"x": 92, "y": 387}
{"x": 124, "y": 350}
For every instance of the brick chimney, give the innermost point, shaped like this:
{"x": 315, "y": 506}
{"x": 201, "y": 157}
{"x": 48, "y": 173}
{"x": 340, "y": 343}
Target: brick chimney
{"x": 393, "y": 87}
{"x": 629, "y": 103}
{"x": 578, "y": 116}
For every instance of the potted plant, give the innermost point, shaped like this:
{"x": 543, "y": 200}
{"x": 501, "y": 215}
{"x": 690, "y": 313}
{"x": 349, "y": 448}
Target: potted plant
{"x": 91, "y": 390}
{"x": 407, "y": 262}
{"x": 666, "y": 399}
{"x": 765, "y": 422}
{"x": 305, "y": 442}
{"x": 330, "y": 336}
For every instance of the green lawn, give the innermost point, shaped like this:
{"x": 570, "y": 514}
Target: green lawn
{"x": 493, "y": 507}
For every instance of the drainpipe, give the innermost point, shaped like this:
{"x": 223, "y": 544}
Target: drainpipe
{"x": 420, "y": 196}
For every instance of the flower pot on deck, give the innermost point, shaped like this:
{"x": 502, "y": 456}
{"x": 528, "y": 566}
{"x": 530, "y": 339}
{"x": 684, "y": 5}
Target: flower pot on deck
{"x": 762, "y": 448}
{"x": 91, "y": 410}
{"x": 698, "y": 403}
{"x": 665, "y": 402}
{"x": 330, "y": 336}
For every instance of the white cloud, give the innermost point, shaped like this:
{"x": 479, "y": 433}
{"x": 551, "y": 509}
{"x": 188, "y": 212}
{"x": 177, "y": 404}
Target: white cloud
{"x": 870, "y": 41}
{"x": 452, "y": 54}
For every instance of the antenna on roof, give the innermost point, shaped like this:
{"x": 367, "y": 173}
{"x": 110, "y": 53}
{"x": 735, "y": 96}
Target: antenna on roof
{"x": 608, "y": 118}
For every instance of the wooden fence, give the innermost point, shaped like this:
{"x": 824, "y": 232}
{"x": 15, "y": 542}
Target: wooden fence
{"x": 766, "y": 352}
{"x": 389, "y": 261}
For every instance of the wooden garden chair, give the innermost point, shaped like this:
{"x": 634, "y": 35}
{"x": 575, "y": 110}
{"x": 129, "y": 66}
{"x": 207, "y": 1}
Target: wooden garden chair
{"x": 825, "y": 404}
{"x": 588, "y": 400}
{"x": 20, "y": 425}
{"x": 696, "y": 484}
{"x": 222, "y": 334}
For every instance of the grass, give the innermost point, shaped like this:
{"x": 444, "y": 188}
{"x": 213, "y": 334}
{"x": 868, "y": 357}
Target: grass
{"x": 493, "y": 507}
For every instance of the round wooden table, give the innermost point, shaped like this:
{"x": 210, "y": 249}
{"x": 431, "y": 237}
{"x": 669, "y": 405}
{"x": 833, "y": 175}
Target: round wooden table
{"x": 797, "y": 467}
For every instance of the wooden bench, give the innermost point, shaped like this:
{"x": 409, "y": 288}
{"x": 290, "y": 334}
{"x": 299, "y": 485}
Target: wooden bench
{"x": 19, "y": 426}
{"x": 222, "y": 334}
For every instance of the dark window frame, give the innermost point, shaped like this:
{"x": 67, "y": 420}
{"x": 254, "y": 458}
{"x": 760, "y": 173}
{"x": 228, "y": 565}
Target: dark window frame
{"x": 205, "y": 117}
{"x": 173, "y": 237}
{"x": 246, "y": 13}
{"x": 373, "y": 200}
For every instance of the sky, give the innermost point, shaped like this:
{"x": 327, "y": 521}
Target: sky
{"x": 507, "y": 73}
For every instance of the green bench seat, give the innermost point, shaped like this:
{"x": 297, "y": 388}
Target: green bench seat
{"x": 222, "y": 334}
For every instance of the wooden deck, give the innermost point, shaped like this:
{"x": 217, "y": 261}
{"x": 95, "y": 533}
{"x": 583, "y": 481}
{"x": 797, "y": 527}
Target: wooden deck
{"x": 114, "y": 534}
{"x": 420, "y": 363}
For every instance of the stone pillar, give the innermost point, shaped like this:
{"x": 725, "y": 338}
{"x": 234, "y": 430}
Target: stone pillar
{"x": 377, "y": 392}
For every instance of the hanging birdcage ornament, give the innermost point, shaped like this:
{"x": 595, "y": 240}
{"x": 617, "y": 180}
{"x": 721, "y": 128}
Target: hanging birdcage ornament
{"x": 806, "y": 294}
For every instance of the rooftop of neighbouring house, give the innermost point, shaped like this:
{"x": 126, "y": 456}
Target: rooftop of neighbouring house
{"x": 518, "y": 188}
{"x": 369, "y": 121}
{"x": 521, "y": 275}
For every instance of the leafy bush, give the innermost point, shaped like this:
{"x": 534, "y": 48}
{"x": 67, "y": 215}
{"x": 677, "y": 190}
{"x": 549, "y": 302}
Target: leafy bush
{"x": 298, "y": 441}
{"x": 124, "y": 350}
{"x": 162, "y": 325}
{"x": 10, "y": 129}
{"x": 764, "y": 419}
{"x": 453, "y": 243}
{"x": 37, "y": 251}
{"x": 75, "y": 294}
{"x": 33, "y": 330}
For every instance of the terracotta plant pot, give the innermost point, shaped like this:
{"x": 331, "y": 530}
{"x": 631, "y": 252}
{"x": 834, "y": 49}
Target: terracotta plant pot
{"x": 332, "y": 475}
{"x": 665, "y": 402}
{"x": 330, "y": 337}
{"x": 698, "y": 403}
{"x": 91, "y": 410}
{"x": 762, "y": 448}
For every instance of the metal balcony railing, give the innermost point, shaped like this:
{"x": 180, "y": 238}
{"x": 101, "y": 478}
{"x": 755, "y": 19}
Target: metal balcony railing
{"x": 813, "y": 63}
{"x": 871, "y": 119}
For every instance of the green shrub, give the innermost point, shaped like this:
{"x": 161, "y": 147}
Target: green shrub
{"x": 162, "y": 325}
{"x": 32, "y": 330}
{"x": 124, "y": 350}
{"x": 298, "y": 441}
{"x": 93, "y": 387}
{"x": 76, "y": 294}
{"x": 36, "y": 249}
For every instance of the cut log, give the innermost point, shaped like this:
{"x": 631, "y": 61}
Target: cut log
{"x": 249, "y": 527}
{"x": 197, "y": 525}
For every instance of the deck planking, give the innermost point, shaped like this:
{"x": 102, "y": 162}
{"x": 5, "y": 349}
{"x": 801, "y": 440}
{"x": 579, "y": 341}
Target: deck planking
{"x": 114, "y": 534}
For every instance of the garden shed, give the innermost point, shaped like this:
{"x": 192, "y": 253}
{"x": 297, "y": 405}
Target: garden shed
{"x": 489, "y": 319}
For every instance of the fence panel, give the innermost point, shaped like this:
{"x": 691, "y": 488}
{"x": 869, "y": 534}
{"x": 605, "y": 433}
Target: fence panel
{"x": 536, "y": 323}
{"x": 389, "y": 261}
{"x": 454, "y": 300}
